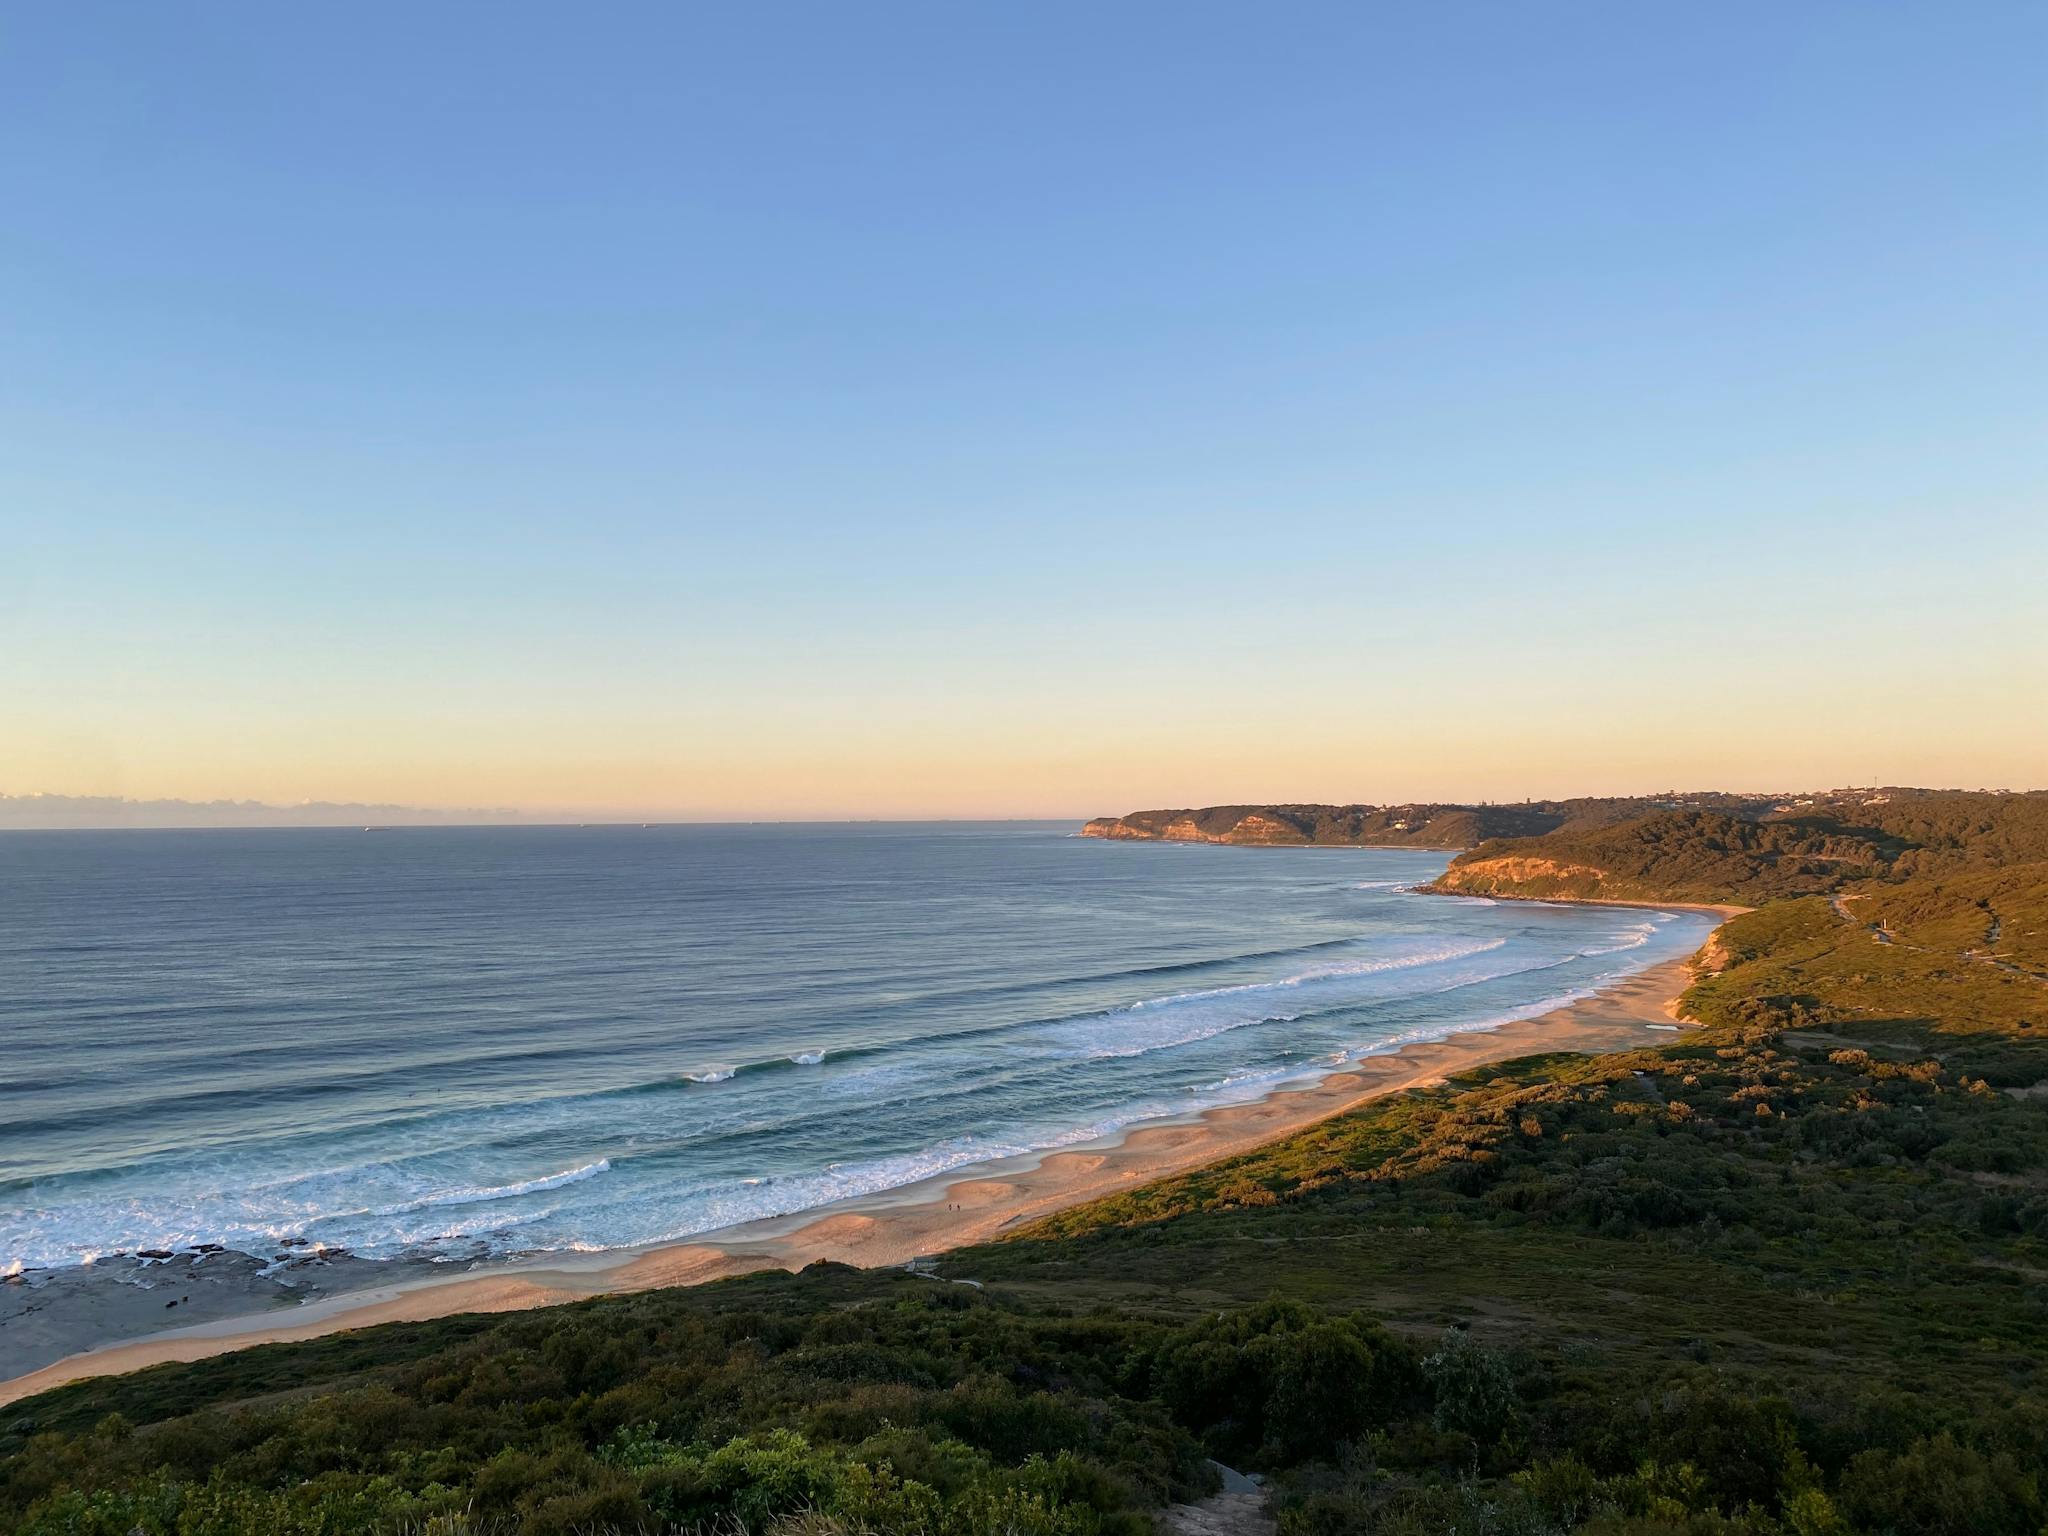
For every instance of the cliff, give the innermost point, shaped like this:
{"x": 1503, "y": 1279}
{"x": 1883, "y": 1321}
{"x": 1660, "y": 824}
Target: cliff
{"x": 1436, "y": 825}
{"x": 1346, "y": 826}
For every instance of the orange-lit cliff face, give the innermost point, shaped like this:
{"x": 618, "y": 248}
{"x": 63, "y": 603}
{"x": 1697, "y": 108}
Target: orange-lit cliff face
{"x": 1189, "y": 827}
{"x": 1356, "y": 826}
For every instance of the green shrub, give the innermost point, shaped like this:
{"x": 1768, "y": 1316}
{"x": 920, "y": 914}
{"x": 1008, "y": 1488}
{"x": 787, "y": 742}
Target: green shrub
{"x": 1938, "y": 1487}
{"x": 1281, "y": 1382}
{"x": 1473, "y": 1389}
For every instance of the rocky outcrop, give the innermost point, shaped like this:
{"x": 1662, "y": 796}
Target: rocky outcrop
{"x": 1712, "y": 957}
{"x": 1190, "y": 827}
{"x": 1522, "y": 875}
{"x": 1113, "y": 826}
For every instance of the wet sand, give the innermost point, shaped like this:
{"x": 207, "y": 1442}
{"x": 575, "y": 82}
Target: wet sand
{"x": 69, "y": 1327}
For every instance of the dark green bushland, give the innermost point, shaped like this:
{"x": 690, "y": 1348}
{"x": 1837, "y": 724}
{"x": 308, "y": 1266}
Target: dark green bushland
{"x": 1786, "y": 1275}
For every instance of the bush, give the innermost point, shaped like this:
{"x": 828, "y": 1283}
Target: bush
{"x": 1473, "y": 1388}
{"x": 1280, "y": 1382}
{"x": 1940, "y": 1488}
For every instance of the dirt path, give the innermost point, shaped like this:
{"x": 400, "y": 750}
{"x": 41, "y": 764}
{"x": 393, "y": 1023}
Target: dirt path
{"x": 1883, "y": 935}
{"x": 1239, "y": 1510}
{"x": 1224, "y": 1514}
{"x": 1995, "y": 930}
{"x": 1839, "y": 905}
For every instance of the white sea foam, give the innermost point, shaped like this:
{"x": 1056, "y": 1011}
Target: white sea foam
{"x": 869, "y": 1082}
{"x": 1027, "y": 1073}
{"x": 1635, "y": 936}
{"x": 475, "y": 1195}
{"x": 1445, "y": 1029}
{"x": 783, "y": 1196}
{"x": 1183, "y": 1018}
{"x": 1333, "y": 970}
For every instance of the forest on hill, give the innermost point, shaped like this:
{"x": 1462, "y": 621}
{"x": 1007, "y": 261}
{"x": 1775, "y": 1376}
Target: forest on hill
{"x": 1920, "y": 815}
{"x": 1714, "y": 856}
{"x": 1780, "y": 1275}
{"x": 1397, "y": 826}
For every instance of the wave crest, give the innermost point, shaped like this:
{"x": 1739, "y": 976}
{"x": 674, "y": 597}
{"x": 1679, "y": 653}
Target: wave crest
{"x": 475, "y": 1195}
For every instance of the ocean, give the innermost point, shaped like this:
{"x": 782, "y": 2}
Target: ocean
{"x": 455, "y": 1043}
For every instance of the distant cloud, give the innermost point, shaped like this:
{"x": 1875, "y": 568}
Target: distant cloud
{"x": 23, "y": 812}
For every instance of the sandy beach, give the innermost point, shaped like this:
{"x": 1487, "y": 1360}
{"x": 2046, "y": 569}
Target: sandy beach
{"x": 67, "y": 1321}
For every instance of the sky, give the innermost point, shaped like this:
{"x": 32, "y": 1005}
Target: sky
{"x": 939, "y": 410}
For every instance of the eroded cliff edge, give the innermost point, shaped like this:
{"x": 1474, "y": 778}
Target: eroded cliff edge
{"x": 1350, "y": 826}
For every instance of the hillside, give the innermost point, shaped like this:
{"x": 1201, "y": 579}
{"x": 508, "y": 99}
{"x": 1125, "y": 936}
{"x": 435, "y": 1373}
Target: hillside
{"x": 1701, "y": 855}
{"x": 1416, "y": 826}
{"x": 1672, "y": 856}
{"x": 1392, "y": 826}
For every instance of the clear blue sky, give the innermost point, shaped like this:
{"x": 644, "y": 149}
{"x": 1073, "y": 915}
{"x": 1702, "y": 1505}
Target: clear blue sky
{"x": 898, "y": 408}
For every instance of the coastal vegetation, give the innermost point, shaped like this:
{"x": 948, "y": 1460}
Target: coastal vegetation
{"x": 1396, "y": 826}
{"x": 1721, "y": 856}
{"x": 1782, "y": 1274}
{"x": 1390, "y": 826}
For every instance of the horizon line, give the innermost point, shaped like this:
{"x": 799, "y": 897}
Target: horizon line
{"x": 102, "y": 813}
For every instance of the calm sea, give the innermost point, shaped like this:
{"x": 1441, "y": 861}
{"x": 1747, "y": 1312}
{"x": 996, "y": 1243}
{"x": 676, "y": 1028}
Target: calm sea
{"x": 504, "y": 1040}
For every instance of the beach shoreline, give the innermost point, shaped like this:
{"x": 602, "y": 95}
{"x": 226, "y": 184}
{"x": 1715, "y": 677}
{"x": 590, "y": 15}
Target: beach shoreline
{"x": 950, "y": 1211}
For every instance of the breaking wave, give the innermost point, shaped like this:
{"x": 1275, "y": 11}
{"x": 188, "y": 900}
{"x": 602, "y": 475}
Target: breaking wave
{"x": 867, "y": 1045}
{"x": 475, "y": 1196}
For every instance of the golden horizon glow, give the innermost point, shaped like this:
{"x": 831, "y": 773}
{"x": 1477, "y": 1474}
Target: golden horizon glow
{"x": 1041, "y": 761}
